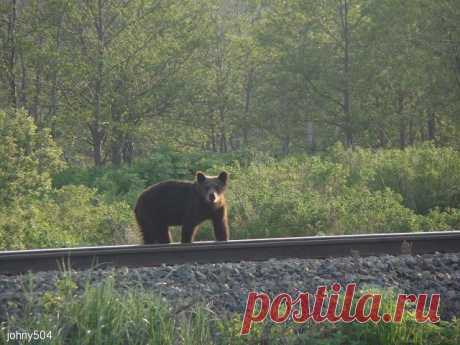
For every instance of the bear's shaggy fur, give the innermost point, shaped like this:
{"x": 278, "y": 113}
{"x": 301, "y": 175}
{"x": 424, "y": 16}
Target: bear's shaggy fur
{"x": 183, "y": 203}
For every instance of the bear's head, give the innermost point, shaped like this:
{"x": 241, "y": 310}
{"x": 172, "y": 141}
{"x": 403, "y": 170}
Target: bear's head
{"x": 212, "y": 188}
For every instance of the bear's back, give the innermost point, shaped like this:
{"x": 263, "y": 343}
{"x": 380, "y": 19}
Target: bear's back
{"x": 167, "y": 201}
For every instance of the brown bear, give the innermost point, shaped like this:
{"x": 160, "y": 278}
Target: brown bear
{"x": 183, "y": 203}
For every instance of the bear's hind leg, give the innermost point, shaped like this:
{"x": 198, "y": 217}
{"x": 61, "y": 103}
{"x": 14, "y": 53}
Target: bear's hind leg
{"x": 156, "y": 233}
{"x": 188, "y": 233}
{"x": 149, "y": 235}
{"x": 163, "y": 234}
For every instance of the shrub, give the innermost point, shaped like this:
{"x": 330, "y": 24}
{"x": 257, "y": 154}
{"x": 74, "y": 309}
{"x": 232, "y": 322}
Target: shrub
{"x": 426, "y": 176}
{"x": 307, "y": 196}
{"x": 163, "y": 164}
{"x": 73, "y": 215}
{"x": 365, "y": 211}
{"x": 436, "y": 220}
{"x": 28, "y": 157}
{"x": 342, "y": 192}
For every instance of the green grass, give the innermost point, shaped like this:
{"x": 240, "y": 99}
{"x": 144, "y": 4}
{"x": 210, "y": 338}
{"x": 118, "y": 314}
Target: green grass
{"x": 103, "y": 315}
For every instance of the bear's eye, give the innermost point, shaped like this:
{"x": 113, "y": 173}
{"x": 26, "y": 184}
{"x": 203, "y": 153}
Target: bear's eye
{"x": 213, "y": 188}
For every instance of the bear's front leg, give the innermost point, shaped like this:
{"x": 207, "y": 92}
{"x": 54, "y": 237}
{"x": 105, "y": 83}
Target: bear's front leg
{"x": 220, "y": 223}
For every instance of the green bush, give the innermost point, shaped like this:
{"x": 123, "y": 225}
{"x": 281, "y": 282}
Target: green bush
{"x": 342, "y": 192}
{"x": 70, "y": 216}
{"x": 449, "y": 219}
{"x": 365, "y": 211}
{"x": 307, "y": 196}
{"x": 165, "y": 163}
{"x": 345, "y": 192}
{"x": 426, "y": 176}
{"x": 28, "y": 157}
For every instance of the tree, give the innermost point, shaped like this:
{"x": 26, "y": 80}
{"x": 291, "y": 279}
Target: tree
{"x": 28, "y": 157}
{"x": 8, "y": 19}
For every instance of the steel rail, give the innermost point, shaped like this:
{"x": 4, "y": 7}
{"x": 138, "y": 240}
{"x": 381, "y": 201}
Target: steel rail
{"x": 13, "y": 262}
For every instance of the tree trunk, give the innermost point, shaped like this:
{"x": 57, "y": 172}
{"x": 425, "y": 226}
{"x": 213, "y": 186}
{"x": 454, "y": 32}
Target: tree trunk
{"x": 402, "y": 135}
{"x": 213, "y": 139}
{"x": 347, "y": 74}
{"x": 247, "y": 106}
{"x": 35, "y": 111}
{"x": 97, "y": 154}
{"x": 223, "y": 135}
{"x": 431, "y": 126}
{"x": 116, "y": 151}
{"x": 116, "y": 137}
{"x": 53, "y": 97}
{"x": 23, "y": 97}
{"x": 411, "y": 131}
{"x": 310, "y": 137}
{"x": 402, "y": 121}
{"x": 98, "y": 131}
{"x": 380, "y": 125}
{"x": 234, "y": 142}
{"x": 10, "y": 53}
{"x": 223, "y": 142}
{"x": 97, "y": 140}
{"x": 348, "y": 135}
{"x": 286, "y": 143}
{"x": 382, "y": 137}
{"x": 128, "y": 150}
{"x": 129, "y": 138}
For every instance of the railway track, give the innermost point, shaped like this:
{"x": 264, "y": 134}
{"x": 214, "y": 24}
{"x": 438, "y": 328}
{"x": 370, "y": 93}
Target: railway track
{"x": 13, "y": 262}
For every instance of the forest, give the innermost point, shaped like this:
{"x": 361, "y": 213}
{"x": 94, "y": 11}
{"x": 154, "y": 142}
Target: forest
{"x": 332, "y": 116}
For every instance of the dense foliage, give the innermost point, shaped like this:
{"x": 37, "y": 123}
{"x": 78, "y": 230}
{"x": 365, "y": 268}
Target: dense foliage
{"x": 114, "y": 79}
{"x": 332, "y": 116}
{"x": 28, "y": 158}
{"x": 33, "y": 213}
{"x": 342, "y": 191}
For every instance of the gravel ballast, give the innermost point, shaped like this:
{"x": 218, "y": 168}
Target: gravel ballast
{"x": 224, "y": 286}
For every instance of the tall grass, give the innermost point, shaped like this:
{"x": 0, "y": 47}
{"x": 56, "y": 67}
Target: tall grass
{"x": 101, "y": 315}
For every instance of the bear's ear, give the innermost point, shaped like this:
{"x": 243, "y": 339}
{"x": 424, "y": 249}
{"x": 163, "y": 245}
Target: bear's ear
{"x": 200, "y": 177}
{"x": 223, "y": 177}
